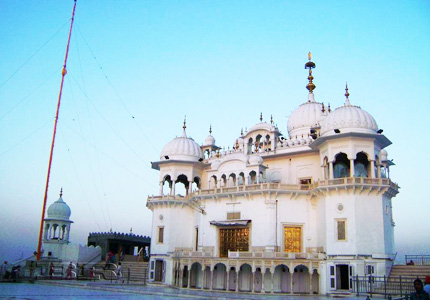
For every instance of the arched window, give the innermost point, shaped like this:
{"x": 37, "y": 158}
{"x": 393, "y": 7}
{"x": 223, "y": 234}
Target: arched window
{"x": 341, "y": 166}
{"x": 195, "y": 184}
{"x": 223, "y": 181}
{"x": 213, "y": 182}
{"x": 252, "y": 177}
{"x": 361, "y": 165}
{"x": 241, "y": 178}
{"x": 231, "y": 180}
{"x": 167, "y": 185}
{"x": 182, "y": 189}
{"x": 250, "y": 146}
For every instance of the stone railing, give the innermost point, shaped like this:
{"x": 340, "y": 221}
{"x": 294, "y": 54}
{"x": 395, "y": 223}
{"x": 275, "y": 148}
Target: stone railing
{"x": 275, "y": 255}
{"x": 293, "y": 188}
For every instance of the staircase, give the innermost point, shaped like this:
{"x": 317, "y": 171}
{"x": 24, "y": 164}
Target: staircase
{"x": 417, "y": 271}
{"x": 138, "y": 271}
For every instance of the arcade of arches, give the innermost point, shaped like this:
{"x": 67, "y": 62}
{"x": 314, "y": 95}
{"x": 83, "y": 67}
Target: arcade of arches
{"x": 279, "y": 278}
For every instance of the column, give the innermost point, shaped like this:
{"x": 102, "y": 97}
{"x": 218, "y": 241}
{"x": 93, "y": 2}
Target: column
{"x": 211, "y": 279}
{"x": 379, "y": 170}
{"x": 351, "y": 168}
{"x": 190, "y": 187}
{"x": 253, "y": 282}
{"x": 172, "y": 189}
{"x": 189, "y": 277}
{"x": 372, "y": 168}
{"x": 331, "y": 170}
{"x": 161, "y": 188}
{"x": 237, "y": 281}
{"x": 203, "y": 277}
{"x": 181, "y": 276}
{"x": 291, "y": 282}
{"x": 228, "y": 280}
{"x": 310, "y": 283}
{"x": 272, "y": 276}
{"x": 263, "y": 276}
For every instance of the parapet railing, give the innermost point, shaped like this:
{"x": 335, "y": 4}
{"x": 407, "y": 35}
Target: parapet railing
{"x": 420, "y": 260}
{"x": 285, "y": 187}
{"x": 251, "y": 254}
{"x": 383, "y": 285}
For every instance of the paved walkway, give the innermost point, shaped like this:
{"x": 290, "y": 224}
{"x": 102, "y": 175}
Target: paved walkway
{"x": 162, "y": 292}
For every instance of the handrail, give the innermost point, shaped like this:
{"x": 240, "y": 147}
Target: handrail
{"x": 421, "y": 260}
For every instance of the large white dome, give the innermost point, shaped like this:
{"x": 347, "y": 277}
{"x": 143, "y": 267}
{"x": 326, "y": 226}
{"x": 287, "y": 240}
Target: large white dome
{"x": 304, "y": 117}
{"x": 348, "y": 118}
{"x": 182, "y": 148}
{"x": 59, "y": 210}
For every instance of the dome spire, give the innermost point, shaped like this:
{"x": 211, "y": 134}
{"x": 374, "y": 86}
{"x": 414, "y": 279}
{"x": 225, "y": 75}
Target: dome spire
{"x": 61, "y": 192}
{"x": 271, "y": 119}
{"x": 261, "y": 117}
{"x": 347, "y": 103}
{"x": 184, "y": 126}
{"x": 310, "y": 86}
{"x": 210, "y": 129}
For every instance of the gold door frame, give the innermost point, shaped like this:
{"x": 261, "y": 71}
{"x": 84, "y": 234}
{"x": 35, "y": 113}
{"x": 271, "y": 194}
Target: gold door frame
{"x": 292, "y": 238}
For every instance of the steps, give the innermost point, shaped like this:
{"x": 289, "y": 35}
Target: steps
{"x": 416, "y": 271}
{"x": 138, "y": 271}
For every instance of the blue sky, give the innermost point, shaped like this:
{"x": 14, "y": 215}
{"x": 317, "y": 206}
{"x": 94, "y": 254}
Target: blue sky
{"x": 137, "y": 67}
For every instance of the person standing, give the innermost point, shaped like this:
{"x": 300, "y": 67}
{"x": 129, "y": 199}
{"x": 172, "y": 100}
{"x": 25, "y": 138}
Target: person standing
{"x": 118, "y": 273}
{"x": 51, "y": 270}
{"x": 69, "y": 271}
{"x": 3, "y": 270}
{"x": 427, "y": 286}
{"x": 419, "y": 293}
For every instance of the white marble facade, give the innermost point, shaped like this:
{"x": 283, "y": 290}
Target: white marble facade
{"x": 297, "y": 214}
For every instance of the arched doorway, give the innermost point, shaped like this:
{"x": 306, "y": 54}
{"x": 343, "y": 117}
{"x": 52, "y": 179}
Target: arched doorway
{"x": 245, "y": 278}
{"x": 281, "y": 279}
{"x": 219, "y": 277}
{"x": 196, "y": 276}
{"x": 301, "y": 280}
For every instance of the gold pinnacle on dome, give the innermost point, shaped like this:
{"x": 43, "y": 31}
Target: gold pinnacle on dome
{"x": 347, "y": 103}
{"x": 61, "y": 192}
{"x": 310, "y": 65}
{"x": 185, "y": 121}
{"x": 241, "y": 132}
{"x": 261, "y": 117}
{"x": 210, "y": 129}
{"x": 271, "y": 119}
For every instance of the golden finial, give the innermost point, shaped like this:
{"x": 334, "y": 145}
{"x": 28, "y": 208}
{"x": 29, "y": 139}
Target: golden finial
{"x": 185, "y": 122}
{"x": 347, "y": 103}
{"x": 271, "y": 119}
{"x": 237, "y": 144}
{"x": 329, "y": 109}
{"x": 210, "y": 129}
{"x": 310, "y": 65}
{"x": 241, "y": 132}
{"x": 61, "y": 192}
{"x": 261, "y": 117}
{"x": 323, "y": 108}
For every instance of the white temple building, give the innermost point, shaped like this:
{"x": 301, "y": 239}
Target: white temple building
{"x": 299, "y": 215}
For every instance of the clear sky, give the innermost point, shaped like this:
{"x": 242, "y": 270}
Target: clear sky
{"x": 136, "y": 68}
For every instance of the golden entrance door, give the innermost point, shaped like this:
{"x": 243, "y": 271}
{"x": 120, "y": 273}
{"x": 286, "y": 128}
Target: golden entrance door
{"x": 292, "y": 239}
{"x": 233, "y": 239}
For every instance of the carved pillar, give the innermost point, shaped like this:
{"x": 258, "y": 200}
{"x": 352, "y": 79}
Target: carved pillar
{"x": 372, "y": 169}
{"x": 310, "y": 283}
{"x": 379, "y": 170}
{"x": 181, "y": 277}
{"x": 263, "y": 276}
{"x": 330, "y": 169}
{"x": 272, "y": 279}
{"x": 172, "y": 189}
{"x": 228, "y": 280}
{"x": 161, "y": 188}
{"x": 190, "y": 188}
{"x": 351, "y": 168}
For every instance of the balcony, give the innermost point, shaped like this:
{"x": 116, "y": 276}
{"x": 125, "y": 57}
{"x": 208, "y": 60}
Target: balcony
{"x": 380, "y": 185}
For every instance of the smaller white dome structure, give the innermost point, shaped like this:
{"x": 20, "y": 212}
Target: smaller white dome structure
{"x": 255, "y": 160}
{"x": 348, "y": 118}
{"x": 182, "y": 148}
{"x": 210, "y": 140}
{"x": 59, "y": 210}
{"x": 304, "y": 117}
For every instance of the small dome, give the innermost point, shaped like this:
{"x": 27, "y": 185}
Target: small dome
{"x": 304, "y": 117}
{"x": 182, "y": 148}
{"x": 383, "y": 155}
{"x": 59, "y": 210}
{"x": 262, "y": 126}
{"x": 348, "y": 118}
{"x": 255, "y": 160}
{"x": 210, "y": 140}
